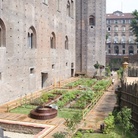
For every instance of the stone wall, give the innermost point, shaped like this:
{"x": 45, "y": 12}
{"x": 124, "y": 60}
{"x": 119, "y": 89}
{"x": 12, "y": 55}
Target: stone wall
{"x": 24, "y": 69}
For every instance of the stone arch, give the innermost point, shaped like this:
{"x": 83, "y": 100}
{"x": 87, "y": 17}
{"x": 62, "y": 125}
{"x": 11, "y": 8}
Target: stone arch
{"x": 53, "y": 40}
{"x": 32, "y": 37}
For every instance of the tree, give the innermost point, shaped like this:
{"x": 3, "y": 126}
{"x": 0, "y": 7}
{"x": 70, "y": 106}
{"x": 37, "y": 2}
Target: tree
{"x": 134, "y": 24}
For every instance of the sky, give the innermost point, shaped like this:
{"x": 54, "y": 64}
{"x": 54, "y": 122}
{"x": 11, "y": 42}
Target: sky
{"x": 126, "y": 6}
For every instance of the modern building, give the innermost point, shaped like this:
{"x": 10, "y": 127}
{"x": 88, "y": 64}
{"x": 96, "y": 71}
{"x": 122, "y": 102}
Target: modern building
{"x": 120, "y": 40}
{"x": 46, "y": 41}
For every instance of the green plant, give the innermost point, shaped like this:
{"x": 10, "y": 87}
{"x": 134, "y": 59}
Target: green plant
{"x": 96, "y": 65}
{"x": 59, "y": 135}
{"x": 120, "y": 72}
{"x": 72, "y": 122}
{"x": 124, "y": 117}
{"x": 109, "y": 123}
{"x": 78, "y": 135}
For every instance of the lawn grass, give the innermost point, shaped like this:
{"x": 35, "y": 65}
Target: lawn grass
{"x": 67, "y": 113}
{"x": 24, "y": 109}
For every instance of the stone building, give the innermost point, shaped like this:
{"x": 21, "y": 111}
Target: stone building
{"x": 90, "y": 35}
{"x": 39, "y": 41}
{"x": 120, "y": 39}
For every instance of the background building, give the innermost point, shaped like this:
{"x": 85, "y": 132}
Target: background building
{"x": 120, "y": 39}
{"x": 41, "y": 42}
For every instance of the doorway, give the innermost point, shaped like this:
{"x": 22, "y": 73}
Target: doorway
{"x": 44, "y": 77}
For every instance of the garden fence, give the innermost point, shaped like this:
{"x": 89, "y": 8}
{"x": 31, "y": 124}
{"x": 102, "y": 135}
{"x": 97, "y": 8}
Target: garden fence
{"x": 133, "y": 72}
{"x": 129, "y": 98}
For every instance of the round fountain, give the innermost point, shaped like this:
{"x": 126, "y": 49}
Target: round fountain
{"x": 43, "y": 113}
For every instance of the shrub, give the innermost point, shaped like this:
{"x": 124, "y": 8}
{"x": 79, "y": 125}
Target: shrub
{"x": 59, "y": 135}
{"x": 109, "y": 123}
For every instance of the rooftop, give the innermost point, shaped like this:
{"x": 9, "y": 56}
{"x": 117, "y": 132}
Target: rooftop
{"x": 119, "y": 15}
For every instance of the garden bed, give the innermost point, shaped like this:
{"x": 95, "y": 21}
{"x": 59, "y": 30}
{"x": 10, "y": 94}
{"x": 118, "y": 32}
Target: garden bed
{"x": 70, "y": 100}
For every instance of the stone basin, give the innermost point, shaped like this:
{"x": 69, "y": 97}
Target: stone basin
{"x": 43, "y": 113}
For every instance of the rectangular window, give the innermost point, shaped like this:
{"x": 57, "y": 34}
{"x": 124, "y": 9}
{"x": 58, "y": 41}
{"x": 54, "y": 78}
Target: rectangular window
{"x": 53, "y": 66}
{"x": 108, "y": 29}
{"x": 123, "y": 51}
{"x": 124, "y": 21}
{"x": 123, "y": 46}
{"x": 116, "y": 29}
{"x": 108, "y": 21}
{"x": 31, "y": 70}
{"x": 109, "y": 51}
{"x": 58, "y": 5}
{"x": 108, "y": 46}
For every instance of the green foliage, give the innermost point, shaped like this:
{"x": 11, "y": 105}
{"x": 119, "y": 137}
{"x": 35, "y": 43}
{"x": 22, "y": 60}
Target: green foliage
{"x": 73, "y": 121}
{"x": 107, "y": 71}
{"x": 124, "y": 117}
{"x": 101, "y": 85}
{"x": 120, "y": 72}
{"x": 59, "y": 135}
{"x": 83, "y": 81}
{"x": 134, "y": 24}
{"x": 44, "y": 98}
{"x": 109, "y": 124}
{"x": 78, "y": 135}
{"x": 67, "y": 97}
{"x": 96, "y": 65}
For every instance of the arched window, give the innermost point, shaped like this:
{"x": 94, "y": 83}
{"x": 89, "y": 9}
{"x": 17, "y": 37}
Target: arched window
{"x": 131, "y": 50}
{"x": 116, "y": 50}
{"x": 32, "y": 37}
{"x": 66, "y": 43}
{"x": 53, "y": 40}
{"x": 91, "y": 20}
{"x": 2, "y": 34}
{"x": 68, "y": 8}
{"x": 108, "y": 28}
